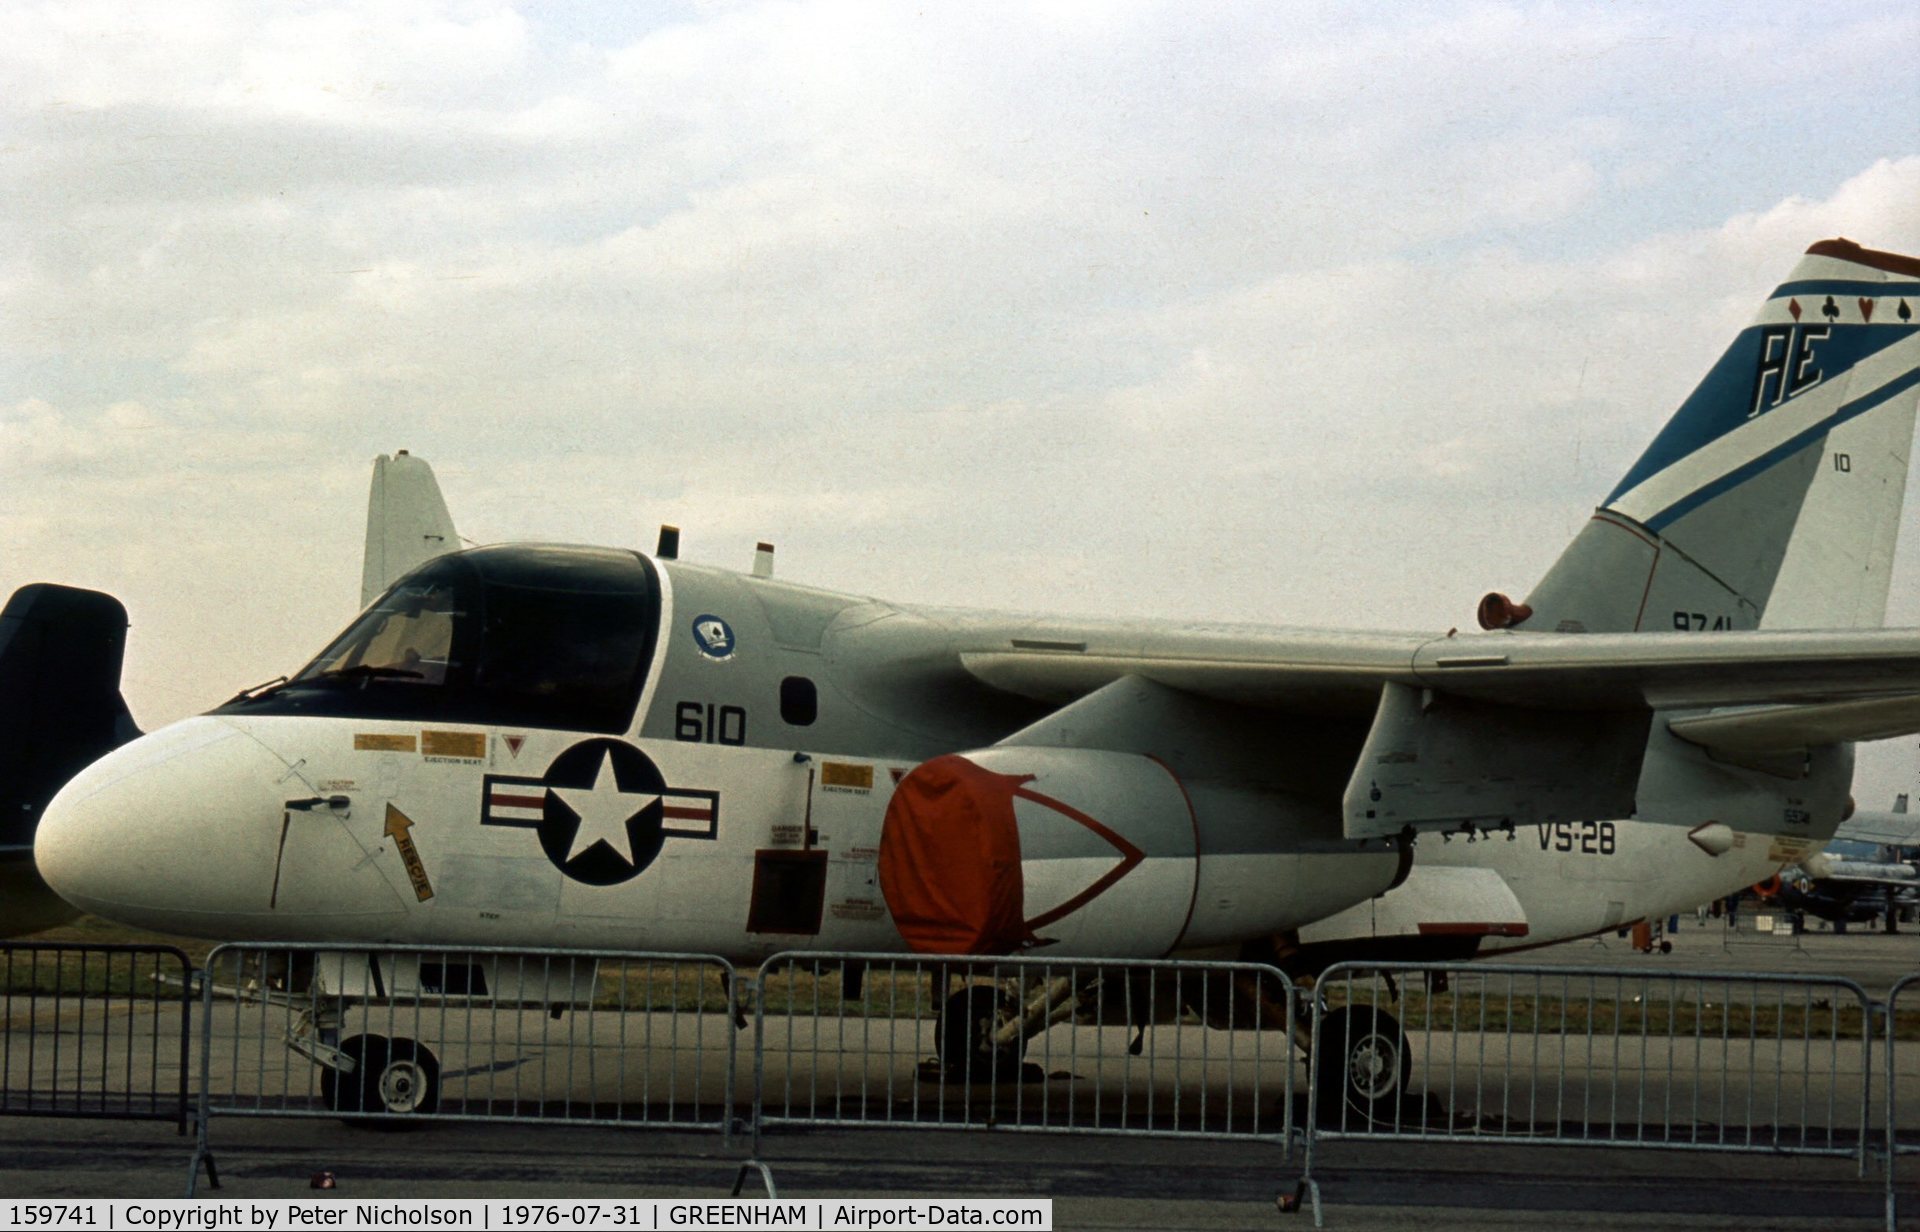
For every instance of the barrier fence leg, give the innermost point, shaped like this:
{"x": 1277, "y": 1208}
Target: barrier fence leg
{"x": 1867, "y": 1009}
{"x": 202, "y": 1157}
{"x": 1892, "y": 1113}
{"x": 202, "y": 1153}
{"x": 1307, "y": 1187}
{"x": 201, "y": 984}
{"x": 766, "y": 1178}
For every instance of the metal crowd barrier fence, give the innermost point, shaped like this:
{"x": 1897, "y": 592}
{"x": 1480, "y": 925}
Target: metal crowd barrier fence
{"x": 1459, "y": 1052}
{"x": 96, "y": 1031}
{"x": 1576, "y": 1056}
{"x": 1902, "y": 1138}
{"x": 393, "y": 1033}
{"x": 1029, "y": 1045}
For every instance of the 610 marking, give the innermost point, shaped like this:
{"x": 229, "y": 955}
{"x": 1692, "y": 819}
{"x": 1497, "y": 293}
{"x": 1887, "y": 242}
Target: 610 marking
{"x": 706, "y": 723}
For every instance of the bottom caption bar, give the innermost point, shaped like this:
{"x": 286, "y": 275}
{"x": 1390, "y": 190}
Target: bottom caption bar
{"x": 273, "y": 1215}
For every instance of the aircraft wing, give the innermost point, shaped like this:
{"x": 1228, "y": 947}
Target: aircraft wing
{"x": 1311, "y": 671}
{"x": 1306, "y": 670}
{"x": 1487, "y": 729}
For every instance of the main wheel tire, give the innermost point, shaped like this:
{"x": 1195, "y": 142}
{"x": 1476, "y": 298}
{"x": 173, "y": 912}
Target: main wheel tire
{"x": 398, "y": 1076}
{"x": 1363, "y": 1066}
{"x": 962, "y": 1036}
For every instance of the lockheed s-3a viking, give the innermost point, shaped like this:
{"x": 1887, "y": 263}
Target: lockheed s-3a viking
{"x": 595, "y": 747}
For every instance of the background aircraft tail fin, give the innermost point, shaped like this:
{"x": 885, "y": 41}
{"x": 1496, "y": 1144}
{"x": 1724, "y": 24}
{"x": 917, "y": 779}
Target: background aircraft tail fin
{"x": 60, "y": 654}
{"x": 407, "y": 523}
{"x": 1773, "y": 495}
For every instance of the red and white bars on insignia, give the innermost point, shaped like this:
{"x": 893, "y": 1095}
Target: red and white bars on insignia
{"x": 508, "y": 800}
{"x": 690, "y": 814}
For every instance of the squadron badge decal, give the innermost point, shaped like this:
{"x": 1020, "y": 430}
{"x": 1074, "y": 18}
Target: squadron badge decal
{"x": 602, "y": 811}
{"x": 713, "y": 636}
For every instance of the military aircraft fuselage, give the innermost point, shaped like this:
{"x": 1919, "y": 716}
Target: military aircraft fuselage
{"x": 589, "y": 747}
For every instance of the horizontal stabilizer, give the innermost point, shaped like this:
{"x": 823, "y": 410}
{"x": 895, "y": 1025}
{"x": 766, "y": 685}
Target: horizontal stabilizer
{"x": 1767, "y": 730}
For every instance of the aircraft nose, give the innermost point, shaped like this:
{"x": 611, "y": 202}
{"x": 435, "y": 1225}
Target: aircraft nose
{"x": 175, "y": 831}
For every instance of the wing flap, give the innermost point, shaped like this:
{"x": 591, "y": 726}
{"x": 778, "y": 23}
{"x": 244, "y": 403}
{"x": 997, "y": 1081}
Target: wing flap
{"x": 1792, "y": 728}
{"x": 1670, "y": 671}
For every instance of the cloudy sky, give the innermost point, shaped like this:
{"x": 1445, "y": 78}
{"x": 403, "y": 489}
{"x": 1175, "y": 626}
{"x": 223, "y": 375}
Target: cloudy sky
{"x": 1294, "y": 314}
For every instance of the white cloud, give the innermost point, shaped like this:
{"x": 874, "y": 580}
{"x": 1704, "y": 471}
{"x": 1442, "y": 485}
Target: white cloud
{"x": 1281, "y": 312}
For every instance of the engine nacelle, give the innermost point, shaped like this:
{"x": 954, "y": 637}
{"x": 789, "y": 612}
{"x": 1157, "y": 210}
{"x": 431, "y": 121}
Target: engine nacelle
{"x": 1093, "y": 853}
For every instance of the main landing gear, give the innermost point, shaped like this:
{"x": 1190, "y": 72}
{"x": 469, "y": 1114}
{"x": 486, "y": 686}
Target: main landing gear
{"x": 967, "y": 1037}
{"x": 381, "y": 1074}
{"x": 1361, "y": 1069}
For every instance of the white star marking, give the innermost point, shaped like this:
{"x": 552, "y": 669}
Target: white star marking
{"x": 604, "y": 811}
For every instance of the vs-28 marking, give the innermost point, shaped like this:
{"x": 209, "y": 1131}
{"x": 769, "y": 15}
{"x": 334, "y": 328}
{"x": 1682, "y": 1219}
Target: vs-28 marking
{"x": 1591, "y": 838}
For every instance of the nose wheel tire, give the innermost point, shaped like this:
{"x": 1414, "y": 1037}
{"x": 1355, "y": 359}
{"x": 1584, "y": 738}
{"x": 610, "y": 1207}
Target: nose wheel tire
{"x": 963, "y": 1037}
{"x": 1363, "y": 1068}
{"x": 398, "y": 1076}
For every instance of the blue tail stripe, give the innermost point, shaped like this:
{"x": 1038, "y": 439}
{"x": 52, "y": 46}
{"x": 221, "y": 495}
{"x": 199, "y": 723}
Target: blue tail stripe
{"x": 1847, "y": 286}
{"x": 1724, "y": 399}
{"x": 1781, "y": 452}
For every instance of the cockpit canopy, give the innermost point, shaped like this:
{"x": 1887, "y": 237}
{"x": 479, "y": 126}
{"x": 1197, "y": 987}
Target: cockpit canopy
{"x": 554, "y": 637}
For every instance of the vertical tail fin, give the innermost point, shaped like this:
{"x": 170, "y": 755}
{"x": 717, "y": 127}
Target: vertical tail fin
{"x": 1774, "y": 493}
{"x": 407, "y": 522}
{"x": 60, "y": 654}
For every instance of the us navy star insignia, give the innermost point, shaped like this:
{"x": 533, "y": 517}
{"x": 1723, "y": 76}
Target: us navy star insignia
{"x": 604, "y": 811}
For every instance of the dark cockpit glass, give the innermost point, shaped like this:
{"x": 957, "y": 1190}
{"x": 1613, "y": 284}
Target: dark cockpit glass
{"x": 511, "y": 636}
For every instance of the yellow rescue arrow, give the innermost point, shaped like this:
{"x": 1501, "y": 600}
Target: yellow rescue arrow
{"x": 398, "y": 825}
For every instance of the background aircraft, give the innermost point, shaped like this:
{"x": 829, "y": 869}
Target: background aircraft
{"x": 60, "y": 709}
{"x": 1870, "y": 869}
{"x": 566, "y": 745}
{"x": 1895, "y": 827}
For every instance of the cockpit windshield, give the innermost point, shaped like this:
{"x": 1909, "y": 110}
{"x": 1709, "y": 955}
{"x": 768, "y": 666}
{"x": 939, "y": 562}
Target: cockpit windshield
{"x": 407, "y": 635}
{"x": 520, "y": 636}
